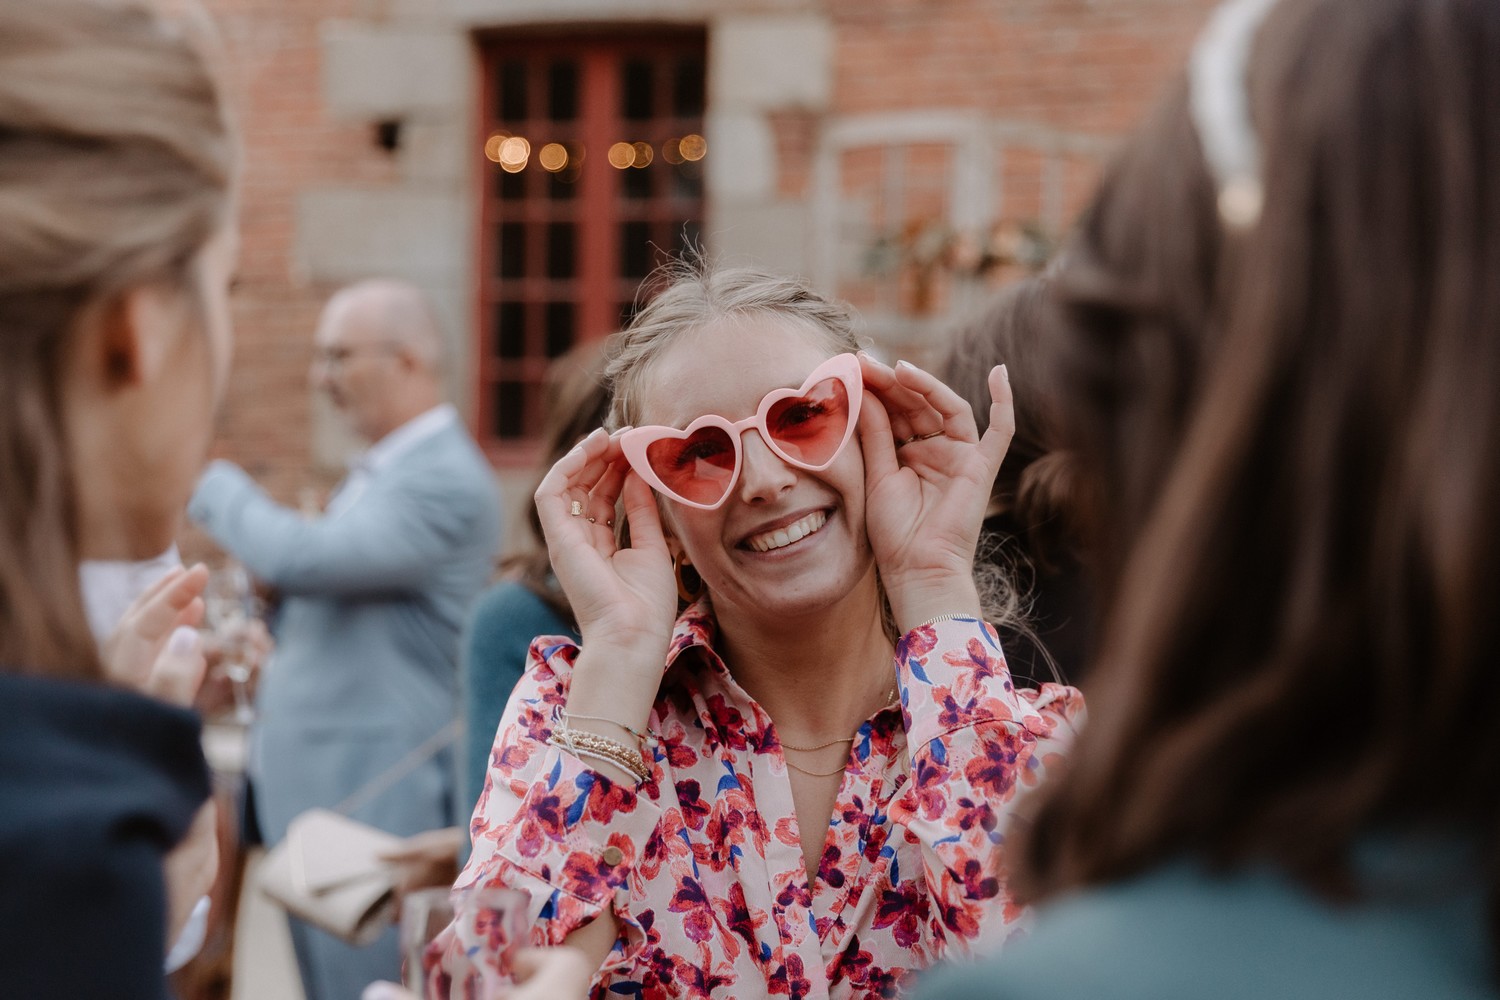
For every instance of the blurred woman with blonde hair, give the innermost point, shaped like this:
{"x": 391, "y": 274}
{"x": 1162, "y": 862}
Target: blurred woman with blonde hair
{"x": 117, "y": 242}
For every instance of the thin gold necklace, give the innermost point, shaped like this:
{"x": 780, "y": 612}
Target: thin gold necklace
{"x": 831, "y": 743}
{"x": 817, "y": 774}
{"x": 821, "y": 746}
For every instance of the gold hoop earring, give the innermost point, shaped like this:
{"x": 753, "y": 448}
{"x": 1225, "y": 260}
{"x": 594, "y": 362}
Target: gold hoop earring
{"x": 690, "y": 586}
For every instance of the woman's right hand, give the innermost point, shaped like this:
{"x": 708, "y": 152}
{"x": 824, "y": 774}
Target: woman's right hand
{"x": 623, "y": 598}
{"x": 156, "y": 648}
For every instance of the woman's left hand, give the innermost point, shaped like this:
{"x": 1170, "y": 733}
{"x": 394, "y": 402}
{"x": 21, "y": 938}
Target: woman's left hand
{"x": 928, "y": 479}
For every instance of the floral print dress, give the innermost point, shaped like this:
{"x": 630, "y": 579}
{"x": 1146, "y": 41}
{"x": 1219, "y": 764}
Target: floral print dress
{"x": 703, "y": 863}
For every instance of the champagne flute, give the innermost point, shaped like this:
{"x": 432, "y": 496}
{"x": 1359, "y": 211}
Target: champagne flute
{"x": 490, "y": 920}
{"x": 230, "y": 606}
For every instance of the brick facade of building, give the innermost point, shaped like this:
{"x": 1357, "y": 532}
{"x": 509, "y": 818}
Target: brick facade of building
{"x": 879, "y": 146}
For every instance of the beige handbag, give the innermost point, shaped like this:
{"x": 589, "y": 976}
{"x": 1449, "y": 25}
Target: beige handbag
{"x": 328, "y": 871}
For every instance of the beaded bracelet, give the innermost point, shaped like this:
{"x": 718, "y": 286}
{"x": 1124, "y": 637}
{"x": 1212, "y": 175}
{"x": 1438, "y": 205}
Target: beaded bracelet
{"x": 581, "y": 753}
{"x": 576, "y": 742}
{"x": 616, "y": 754}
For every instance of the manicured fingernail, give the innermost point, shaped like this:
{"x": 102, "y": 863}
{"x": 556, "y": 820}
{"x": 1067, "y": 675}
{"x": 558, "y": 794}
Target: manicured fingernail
{"x": 905, "y": 364}
{"x": 1005, "y": 372}
{"x": 184, "y": 641}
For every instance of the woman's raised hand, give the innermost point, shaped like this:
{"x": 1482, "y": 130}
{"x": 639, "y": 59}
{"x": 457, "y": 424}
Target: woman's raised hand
{"x": 621, "y": 596}
{"x": 928, "y": 478}
{"x": 156, "y": 648}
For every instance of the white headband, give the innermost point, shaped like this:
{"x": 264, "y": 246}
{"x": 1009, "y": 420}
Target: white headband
{"x": 1220, "y": 108}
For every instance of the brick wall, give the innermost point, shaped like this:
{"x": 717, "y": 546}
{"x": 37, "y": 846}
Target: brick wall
{"x": 271, "y": 67}
{"x": 1082, "y": 65}
{"x": 1052, "y": 83}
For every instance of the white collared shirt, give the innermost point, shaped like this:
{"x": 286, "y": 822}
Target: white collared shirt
{"x": 385, "y": 451}
{"x": 111, "y": 586}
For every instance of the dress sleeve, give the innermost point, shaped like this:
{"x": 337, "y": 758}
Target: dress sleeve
{"x": 564, "y": 835}
{"x": 977, "y": 743}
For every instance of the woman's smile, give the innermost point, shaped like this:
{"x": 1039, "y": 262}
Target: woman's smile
{"x": 786, "y": 532}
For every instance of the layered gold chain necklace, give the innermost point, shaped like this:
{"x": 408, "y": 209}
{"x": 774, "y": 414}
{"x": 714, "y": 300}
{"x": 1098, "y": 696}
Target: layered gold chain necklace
{"x": 824, "y": 746}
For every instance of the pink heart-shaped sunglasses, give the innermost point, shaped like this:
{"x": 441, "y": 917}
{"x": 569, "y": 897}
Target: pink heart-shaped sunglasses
{"x": 807, "y": 427}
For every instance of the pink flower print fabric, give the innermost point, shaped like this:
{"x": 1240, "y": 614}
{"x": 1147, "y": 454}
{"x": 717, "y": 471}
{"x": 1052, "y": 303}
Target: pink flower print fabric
{"x": 703, "y": 863}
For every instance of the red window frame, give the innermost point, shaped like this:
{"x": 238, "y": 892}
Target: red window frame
{"x": 616, "y": 215}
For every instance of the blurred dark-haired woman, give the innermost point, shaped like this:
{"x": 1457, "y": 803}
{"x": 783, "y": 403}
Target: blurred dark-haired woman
{"x": 1281, "y": 328}
{"x": 1030, "y": 550}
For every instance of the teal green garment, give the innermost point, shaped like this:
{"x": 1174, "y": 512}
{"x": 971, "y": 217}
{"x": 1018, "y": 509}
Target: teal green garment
{"x": 492, "y": 657}
{"x": 1418, "y": 932}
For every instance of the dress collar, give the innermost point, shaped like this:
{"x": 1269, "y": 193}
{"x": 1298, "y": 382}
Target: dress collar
{"x": 695, "y": 629}
{"x": 723, "y": 705}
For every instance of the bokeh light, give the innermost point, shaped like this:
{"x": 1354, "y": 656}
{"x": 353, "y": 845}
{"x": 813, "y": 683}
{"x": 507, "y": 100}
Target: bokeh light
{"x": 492, "y": 146}
{"x": 642, "y": 154}
{"x": 514, "y": 152}
{"x": 621, "y": 155}
{"x": 693, "y": 147}
{"x": 553, "y": 157}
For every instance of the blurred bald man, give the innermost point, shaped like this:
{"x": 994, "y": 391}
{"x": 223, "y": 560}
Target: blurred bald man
{"x": 374, "y": 591}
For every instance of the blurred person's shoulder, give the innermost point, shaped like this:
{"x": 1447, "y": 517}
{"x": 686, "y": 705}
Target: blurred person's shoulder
{"x": 447, "y": 465}
{"x": 1181, "y": 932}
{"x": 99, "y": 784}
{"x": 95, "y": 755}
{"x": 509, "y": 607}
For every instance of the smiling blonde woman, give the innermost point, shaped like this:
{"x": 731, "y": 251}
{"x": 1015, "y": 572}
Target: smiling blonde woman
{"x": 777, "y": 762}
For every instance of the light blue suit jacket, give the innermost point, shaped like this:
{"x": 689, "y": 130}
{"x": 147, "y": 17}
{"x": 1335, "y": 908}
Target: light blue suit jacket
{"x": 365, "y": 667}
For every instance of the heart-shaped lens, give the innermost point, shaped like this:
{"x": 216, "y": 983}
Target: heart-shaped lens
{"x": 809, "y": 428}
{"x": 698, "y": 468}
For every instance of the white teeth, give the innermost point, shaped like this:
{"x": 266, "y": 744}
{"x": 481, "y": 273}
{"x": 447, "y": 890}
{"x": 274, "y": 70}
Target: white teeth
{"x": 795, "y": 532}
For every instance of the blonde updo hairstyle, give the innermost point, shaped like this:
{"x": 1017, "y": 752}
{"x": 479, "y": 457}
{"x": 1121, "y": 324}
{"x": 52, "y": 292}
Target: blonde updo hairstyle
{"x": 116, "y": 168}
{"x": 696, "y": 297}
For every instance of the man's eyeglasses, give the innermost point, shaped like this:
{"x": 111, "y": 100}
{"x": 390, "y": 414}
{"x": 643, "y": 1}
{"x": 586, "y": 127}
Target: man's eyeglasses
{"x": 337, "y": 357}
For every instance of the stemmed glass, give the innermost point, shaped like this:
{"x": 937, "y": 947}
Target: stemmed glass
{"x": 494, "y": 923}
{"x": 230, "y": 605}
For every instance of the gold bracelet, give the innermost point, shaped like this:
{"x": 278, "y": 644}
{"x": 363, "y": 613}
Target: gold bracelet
{"x": 945, "y": 618}
{"x": 581, "y": 753}
{"x": 618, "y": 755}
{"x": 647, "y": 739}
{"x": 574, "y": 741}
